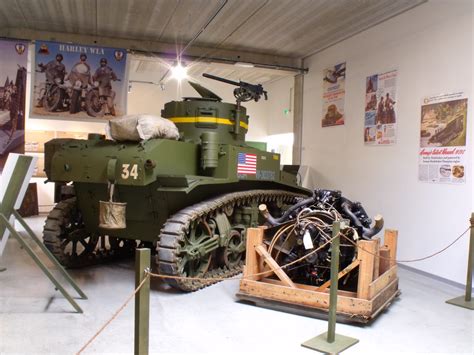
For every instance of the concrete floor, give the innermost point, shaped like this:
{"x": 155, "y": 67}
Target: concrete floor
{"x": 34, "y": 318}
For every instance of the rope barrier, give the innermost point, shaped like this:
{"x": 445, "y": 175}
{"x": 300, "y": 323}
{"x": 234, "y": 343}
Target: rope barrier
{"x": 162, "y": 276}
{"x": 411, "y": 260}
{"x": 117, "y": 312}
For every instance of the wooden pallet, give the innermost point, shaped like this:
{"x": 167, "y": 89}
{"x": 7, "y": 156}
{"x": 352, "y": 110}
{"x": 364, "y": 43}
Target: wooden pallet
{"x": 377, "y": 284}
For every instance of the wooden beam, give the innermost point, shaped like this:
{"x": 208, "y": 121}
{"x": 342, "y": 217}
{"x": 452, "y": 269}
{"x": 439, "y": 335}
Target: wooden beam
{"x": 377, "y": 259}
{"x": 384, "y": 263}
{"x": 391, "y": 240}
{"x": 379, "y": 284}
{"x": 267, "y": 258}
{"x": 341, "y": 274}
{"x": 366, "y": 255}
{"x": 303, "y": 297}
{"x": 252, "y": 260}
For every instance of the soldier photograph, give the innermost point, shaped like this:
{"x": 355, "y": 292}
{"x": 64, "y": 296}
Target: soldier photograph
{"x": 76, "y": 82}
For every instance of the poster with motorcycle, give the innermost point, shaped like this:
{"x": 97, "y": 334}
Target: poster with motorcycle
{"x": 75, "y": 81}
{"x": 334, "y": 92}
{"x": 380, "y": 119}
{"x": 443, "y": 130}
{"x": 13, "y": 61}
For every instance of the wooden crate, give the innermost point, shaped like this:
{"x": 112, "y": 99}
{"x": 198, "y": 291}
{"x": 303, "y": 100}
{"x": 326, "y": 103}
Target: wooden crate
{"x": 376, "y": 289}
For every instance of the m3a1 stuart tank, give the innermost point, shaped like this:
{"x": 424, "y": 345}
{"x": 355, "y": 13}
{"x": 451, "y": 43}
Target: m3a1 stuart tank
{"x": 191, "y": 200}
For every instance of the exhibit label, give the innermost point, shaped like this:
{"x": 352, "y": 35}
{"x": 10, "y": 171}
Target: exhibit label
{"x": 334, "y": 83}
{"x": 13, "y": 61}
{"x": 380, "y": 121}
{"x": 442, "y": 155}
{"x": 74, "y": 81}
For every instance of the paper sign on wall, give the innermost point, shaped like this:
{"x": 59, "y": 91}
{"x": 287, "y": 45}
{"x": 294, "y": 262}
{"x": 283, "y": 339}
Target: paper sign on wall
{"x": 442, "y": 155}
{"x": 334, "y": 82}
{"x": 380, "y": 117}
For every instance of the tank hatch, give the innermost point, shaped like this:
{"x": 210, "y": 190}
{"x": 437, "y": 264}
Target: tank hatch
{"x": 206, "y": 94}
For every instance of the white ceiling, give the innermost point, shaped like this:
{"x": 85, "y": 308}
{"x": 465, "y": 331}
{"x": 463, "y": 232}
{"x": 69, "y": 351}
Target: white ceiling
{"x": 273, "y": 31}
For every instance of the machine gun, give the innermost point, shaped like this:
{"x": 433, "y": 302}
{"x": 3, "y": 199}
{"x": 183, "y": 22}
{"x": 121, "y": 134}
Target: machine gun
{"x": 245, "y": 91}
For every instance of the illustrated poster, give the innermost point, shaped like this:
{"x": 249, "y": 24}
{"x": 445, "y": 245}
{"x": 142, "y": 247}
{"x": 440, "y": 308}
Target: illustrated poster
{"x": 13, "y": 61}
{"x": 334, "y": 82}
{"x": 442, "y": 156}
{"x": 78, "y": 82}
{"x": 380, "y": 124}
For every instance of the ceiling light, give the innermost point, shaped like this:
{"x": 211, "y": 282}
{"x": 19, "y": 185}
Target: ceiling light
{"x": 244, "y": 65}
{"x": 179, "y": 72}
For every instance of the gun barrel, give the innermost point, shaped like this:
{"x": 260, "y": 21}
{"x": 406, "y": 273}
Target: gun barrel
{"x": 227, "y": 81}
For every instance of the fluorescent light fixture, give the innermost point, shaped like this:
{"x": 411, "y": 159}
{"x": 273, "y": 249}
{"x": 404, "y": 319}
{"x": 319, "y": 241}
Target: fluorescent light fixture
{"x": 179, "y": 72}
{"x": 244, "y": 65}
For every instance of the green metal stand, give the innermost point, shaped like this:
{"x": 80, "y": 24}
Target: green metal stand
{"x": 330, "y": 342}
{"x": 7, "y": 209}
{"x": 466, "y": 301}
{"x": 142, "y": 302}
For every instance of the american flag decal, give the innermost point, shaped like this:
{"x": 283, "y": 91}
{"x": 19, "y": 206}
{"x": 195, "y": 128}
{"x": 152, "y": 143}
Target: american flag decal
{"x": 247, "y": 164}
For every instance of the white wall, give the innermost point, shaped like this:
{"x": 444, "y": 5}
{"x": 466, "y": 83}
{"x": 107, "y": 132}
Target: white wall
{"x": 431, "y": 46}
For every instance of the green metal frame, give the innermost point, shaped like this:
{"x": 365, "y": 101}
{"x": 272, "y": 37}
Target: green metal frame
{"x": 7, "y": 210}
{"x": 330, "y": 342}
{"x": 142, "y": 301}
{"x": 466, "y": 301}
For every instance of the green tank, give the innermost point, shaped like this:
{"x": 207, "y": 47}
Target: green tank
{"x": 190, "y": 200}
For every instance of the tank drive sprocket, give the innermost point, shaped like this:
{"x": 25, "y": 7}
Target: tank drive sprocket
{"x": 207, "y": 239}
{"x": 67, "y": 238}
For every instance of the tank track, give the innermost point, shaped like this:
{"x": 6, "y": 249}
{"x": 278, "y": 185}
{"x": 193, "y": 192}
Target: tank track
{"x": 173, "y": 233}
{"x": 55, "y": 234}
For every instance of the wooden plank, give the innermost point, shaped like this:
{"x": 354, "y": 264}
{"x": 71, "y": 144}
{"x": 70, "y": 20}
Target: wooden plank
{"x": 380, "y": 283}
{"x": 342, "y": 273}
{"x": 311, "y": 288}
{"x": 304, "y": 297}
{"x": 390, "y": 291}
{"x": 391, "y": 240}
{"x": 384, "y": 263}
{"x": 377, "y": 259}
{"x": 252, "y": 259}
{"x": 267, "y": 258}
{"x": 366, "y": 255}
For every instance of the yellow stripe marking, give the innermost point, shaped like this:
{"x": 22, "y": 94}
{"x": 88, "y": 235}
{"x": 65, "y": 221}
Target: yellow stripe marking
{"x": 225, "y": 121}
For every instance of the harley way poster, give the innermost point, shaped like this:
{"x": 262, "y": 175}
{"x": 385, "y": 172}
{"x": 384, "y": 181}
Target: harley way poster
{"x": 380, "y": 121}
{"x": 74, "y": 81}
{"x": 334, "y": 82}
{"x": 13, "y": 60}
{"x": 442, "y": 156}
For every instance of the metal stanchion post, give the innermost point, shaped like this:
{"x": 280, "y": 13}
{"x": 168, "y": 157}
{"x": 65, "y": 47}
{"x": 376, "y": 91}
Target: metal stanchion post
{"x": 330, "y": 342}
{"x": 466, "y": 301}
{"x": 142, "y": 301}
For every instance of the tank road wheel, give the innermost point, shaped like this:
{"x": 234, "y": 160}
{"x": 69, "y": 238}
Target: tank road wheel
{"x": 233, "y": 253}
{"x": 66, "y": 237}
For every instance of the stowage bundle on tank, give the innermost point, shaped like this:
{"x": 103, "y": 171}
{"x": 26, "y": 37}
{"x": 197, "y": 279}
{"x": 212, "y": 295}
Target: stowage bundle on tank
{"x": 307, "y": 225}
{"x": 189, "y": 195}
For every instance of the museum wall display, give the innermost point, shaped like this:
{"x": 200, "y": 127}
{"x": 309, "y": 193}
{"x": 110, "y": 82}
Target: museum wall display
{"x": 73, "y": 81}
{"x": 13, "y": 63}
{"x": 388, "y": 175}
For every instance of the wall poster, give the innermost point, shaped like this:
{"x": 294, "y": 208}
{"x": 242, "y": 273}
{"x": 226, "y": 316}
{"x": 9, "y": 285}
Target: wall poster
{"x": 13, "y": 61}
{"x": 334, "y": 92}
{"x": 74, "y": 81}
{"x": 442, "y": 156}
{"x": 380, "y": 122}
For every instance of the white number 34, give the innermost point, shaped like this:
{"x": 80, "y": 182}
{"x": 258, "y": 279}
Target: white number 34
{"x": 128, "y": 171}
